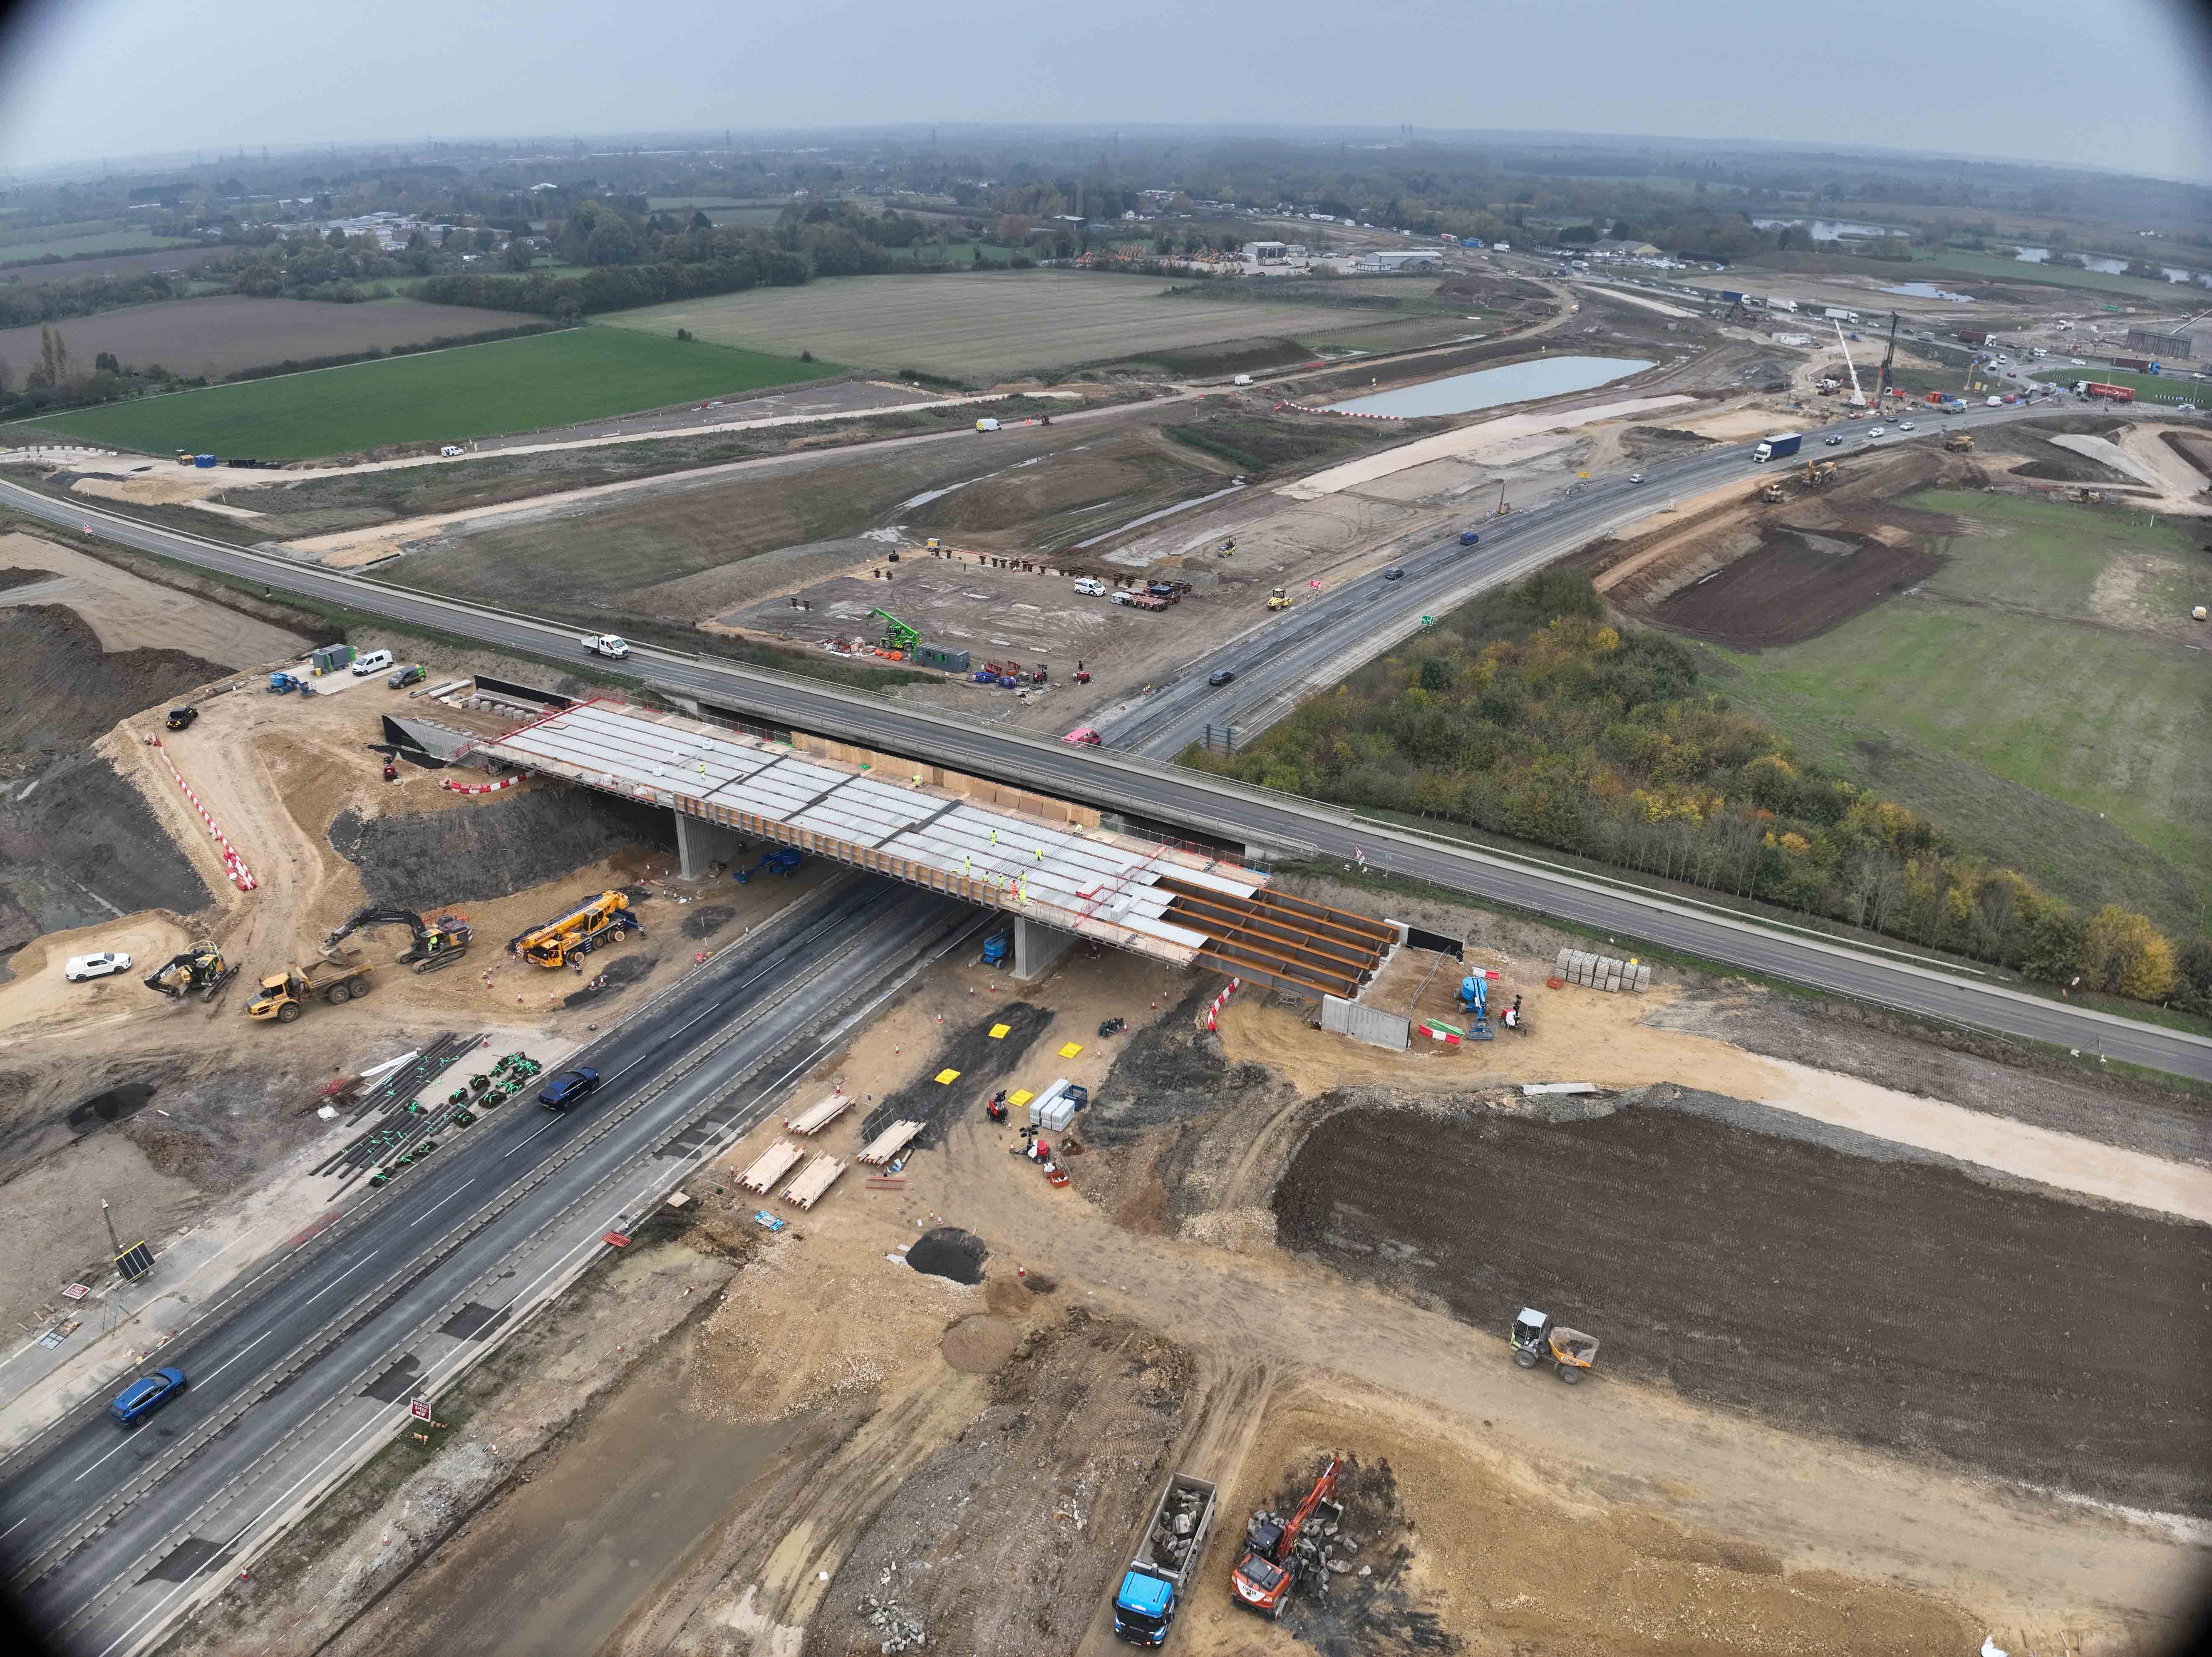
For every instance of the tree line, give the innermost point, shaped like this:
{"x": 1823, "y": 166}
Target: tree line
{"x": 1527, "y": 713}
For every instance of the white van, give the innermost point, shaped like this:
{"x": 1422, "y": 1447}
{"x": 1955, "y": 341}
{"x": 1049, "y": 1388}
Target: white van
{"x": 987, "y": 424}
{"x": 1091, "y": 585}
{"x": 375, "y": 662}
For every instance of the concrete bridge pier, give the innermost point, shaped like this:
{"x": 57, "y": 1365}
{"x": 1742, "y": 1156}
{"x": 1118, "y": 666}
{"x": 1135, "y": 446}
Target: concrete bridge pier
{"x": 1035, "y": 948}
{"x": 699, "y": 843}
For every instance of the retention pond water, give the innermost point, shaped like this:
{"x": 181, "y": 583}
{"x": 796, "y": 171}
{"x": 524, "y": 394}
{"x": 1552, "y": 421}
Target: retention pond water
{"x": 1487, "y": 388}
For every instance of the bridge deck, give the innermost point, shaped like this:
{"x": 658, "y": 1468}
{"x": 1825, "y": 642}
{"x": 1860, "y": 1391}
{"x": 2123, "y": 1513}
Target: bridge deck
{"x": 1087, "y": 881}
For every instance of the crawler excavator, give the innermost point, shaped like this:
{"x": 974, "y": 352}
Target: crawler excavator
{"x": 437, "y": 944}
{"x": 1271, "y": 1563}
{"x": 595, "y": 921}
{"x": 200, "y": 970}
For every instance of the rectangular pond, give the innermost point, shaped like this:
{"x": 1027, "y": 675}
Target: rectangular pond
{"x": 1486, "y": 388}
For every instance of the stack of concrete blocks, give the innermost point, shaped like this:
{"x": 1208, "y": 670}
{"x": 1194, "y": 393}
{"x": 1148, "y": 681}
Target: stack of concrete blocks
{"x": 1602, "y": 972}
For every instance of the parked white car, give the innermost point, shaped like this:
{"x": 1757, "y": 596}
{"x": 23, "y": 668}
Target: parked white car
{"x": 376, "y": 661}
{"x": 78, "y": 968}
{"x": 1091, "y": 585}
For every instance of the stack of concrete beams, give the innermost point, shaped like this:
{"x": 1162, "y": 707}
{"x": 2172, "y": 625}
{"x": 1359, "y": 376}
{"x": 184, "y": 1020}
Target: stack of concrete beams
{"x": 891, "y": 1141}
{"x": 778, "y": 1160}
{"x": 820, "y": 1115}
{"x": 1602, "y": 972}
{"x": 819, "y": 1175}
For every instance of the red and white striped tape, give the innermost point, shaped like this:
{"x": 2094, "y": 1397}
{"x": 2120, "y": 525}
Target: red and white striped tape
{"x": 233, "y": 864}
{"x": 481, "y": 788}
{"x": 1214, "y": 1010}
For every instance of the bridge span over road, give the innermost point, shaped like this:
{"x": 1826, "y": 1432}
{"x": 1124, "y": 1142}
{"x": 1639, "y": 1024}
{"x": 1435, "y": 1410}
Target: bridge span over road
{"x": 1052, "y": 865}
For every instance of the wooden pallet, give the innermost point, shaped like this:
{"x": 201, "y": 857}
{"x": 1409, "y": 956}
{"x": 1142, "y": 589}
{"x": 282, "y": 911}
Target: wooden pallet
{"x": 891, "y": 1141}
{"x": 817, "y": 1177}
{"x": 820, "y": 1115}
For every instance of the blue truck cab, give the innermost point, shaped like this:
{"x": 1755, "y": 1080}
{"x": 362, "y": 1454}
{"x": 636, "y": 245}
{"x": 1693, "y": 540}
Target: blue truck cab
{"x": 1166, "y": 1563}
{"x": 1143, "y": 1608}
{"x": 145, "y": 1395}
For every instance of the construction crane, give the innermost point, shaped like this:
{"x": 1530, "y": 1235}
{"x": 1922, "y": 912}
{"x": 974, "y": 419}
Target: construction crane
{"x": 1881, "y": 380}
{"x": 1272, "y": 1561}
{"x": 198, "y": 970}
{"x": 1859, "y": 396}
{"x": 897, "y": 634}
{"x": 436, "y": 943}
{"x": 595, "y": 921}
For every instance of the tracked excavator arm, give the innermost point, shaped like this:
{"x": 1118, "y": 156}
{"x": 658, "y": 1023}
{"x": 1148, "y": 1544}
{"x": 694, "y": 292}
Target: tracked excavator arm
{"x": 435, "y": 943}
{"x": 201, "y": 970}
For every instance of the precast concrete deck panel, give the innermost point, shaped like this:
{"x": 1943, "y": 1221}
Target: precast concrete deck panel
{"x": 1087, "y": 881}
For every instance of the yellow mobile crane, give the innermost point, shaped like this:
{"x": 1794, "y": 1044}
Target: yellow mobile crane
{"x": 595, "y": 921}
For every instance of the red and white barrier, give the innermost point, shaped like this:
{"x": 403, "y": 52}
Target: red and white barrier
{"x": 233, "y": 864}
{"x": 1214, "y": 1007}
{"x": 481, "y": 788}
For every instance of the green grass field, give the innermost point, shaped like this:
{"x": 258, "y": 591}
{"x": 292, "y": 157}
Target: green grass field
{"x": 113, "y": 241}
{"x": 2037, "y": 696}
{"x": 2170, "y": 388}
{"x": 2056, "y": 276}
{"x": 472, "y": 391}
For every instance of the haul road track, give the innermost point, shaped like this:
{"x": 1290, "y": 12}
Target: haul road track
{"x": 1358, "y": 624}
{"x": 110, "y": 1534}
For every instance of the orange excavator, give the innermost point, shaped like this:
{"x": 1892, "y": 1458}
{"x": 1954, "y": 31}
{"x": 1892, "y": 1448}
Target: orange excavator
{"x": 1271, "y": 1564}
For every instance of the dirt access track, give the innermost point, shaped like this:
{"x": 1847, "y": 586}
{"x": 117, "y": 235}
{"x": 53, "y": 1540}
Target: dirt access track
{"x": 1280, "y": 1244}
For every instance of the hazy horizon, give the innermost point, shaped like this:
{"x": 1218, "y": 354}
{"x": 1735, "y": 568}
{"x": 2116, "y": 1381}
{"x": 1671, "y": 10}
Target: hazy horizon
{"x": 2033, "y": 84}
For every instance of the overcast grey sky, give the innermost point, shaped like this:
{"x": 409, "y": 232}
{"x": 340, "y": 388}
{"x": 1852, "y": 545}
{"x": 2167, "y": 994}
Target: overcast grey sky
{"x": 2108, "y": 84}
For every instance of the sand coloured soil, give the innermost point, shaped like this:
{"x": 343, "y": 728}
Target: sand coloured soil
{"x": 1466, "y": 440}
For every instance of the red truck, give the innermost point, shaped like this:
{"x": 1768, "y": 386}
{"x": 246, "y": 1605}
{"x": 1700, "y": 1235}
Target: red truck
{"x": 2117, "y": 393}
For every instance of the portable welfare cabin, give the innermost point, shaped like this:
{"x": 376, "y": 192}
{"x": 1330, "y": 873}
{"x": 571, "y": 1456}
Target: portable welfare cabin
{"x": 329, "y": 659}
{"x": 943, "y": 657}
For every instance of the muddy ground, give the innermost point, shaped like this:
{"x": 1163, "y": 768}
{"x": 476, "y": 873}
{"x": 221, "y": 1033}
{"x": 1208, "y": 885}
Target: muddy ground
{"x": 1043, "y": 1488}
{"x": 1797, "y": 586}
{"x": 1822, "y": 1279}
{"x": 507, "y": 844}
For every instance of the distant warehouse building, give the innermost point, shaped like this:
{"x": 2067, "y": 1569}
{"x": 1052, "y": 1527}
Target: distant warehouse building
{"x": 1377, "y": 264}
{"x": 1265, "y": 252}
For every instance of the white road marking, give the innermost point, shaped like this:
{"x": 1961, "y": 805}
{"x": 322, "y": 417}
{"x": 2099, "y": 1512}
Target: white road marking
{"x": 440, "y": 1203}
{"x": 547, "y": 1128}
{"x": 234, "y": 1356}
{"x": 124, "y": 1446}
{"x": 338, "y": 1279}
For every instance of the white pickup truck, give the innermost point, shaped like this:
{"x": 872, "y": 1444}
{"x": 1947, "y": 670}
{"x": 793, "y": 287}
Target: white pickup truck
{"x": 606, "y": 644}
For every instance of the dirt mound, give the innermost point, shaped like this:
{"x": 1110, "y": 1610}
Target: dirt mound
{"x": 64, "y": 691}
{"x": 978, "y": 1345}
{"x": 949, "y": 1251}
{"x": 1835, "y": 1284}
{"x": 84, "y": 848}
{"x": 503, "y": 845}
{"x": 1793, "y": 589}
{"x": 983, "y": 1061}
{"x": 24, "y": 578}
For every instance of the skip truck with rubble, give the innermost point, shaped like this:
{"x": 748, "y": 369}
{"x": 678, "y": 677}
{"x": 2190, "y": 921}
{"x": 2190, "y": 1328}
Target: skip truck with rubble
{"x": 1152, "y": 1590}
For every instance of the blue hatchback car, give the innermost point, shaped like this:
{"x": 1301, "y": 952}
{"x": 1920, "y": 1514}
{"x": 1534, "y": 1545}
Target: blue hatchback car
{"x": 144, "y": 1396}
{"x": 566, "y": 1089}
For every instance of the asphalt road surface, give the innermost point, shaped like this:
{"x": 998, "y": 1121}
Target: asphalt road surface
{"x": 1133, "y": 783}
{"x": 319, "y": 1356}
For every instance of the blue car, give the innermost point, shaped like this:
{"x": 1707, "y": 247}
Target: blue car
{"x": 566, "y": 1089}
{"x": 144, "y": 1396}
{"x": 1470, "y": 538}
